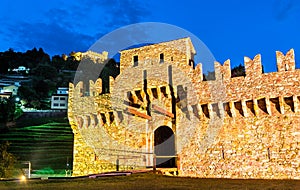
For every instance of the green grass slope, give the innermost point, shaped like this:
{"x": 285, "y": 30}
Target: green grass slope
{"x": 45, "y": 142}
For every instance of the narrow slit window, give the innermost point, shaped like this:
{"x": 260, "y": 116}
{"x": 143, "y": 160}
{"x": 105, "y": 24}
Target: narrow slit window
{"x": 205, "y": 110}
{"x": 111, "y": 116}
{"x": 154, "y": 92}
{"x": 161, "y": 58}
{"x": 286, "y": 67}
{"x": 135, "y": 60}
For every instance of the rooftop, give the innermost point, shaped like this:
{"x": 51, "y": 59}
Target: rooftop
{"x": 134, "y": 47}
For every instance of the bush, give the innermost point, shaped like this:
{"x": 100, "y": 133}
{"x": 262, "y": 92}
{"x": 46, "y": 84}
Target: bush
{"x": 7, "y": 161}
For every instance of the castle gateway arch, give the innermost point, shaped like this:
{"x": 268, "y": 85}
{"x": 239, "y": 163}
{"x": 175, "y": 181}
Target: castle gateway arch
{"x": 164, "y": 147}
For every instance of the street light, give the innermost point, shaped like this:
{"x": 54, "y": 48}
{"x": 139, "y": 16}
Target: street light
{"x": 17, "y": 99}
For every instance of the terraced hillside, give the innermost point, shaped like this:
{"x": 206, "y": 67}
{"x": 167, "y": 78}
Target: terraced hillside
{"x": 45, "y": 142}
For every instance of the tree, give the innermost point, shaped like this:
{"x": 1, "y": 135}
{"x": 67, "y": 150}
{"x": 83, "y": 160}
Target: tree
{"x": 36, "y": 104}
{"x": 3, "y": 65}
{"x": 35, "y": 57}
{"x": 209, "y": 76}
{"x": 7, "y": 107}
{"x": 111, "y": 68}
{"x": 238, "y": 71}
{"x": 26, "y": 93}
{"x": 58, "y": 62}
{"x": 7, "y": 161}
{"x": 45, "y": 71}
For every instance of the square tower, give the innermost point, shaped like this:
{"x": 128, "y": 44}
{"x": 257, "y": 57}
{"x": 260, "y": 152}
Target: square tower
{"x": 180, "y": 52}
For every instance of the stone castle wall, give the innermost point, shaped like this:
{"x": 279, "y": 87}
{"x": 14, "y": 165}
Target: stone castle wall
{"x": 242, "y": 127}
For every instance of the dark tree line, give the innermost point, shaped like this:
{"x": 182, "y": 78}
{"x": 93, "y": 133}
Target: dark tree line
{"x": 93, "y": 71}
{"x": 7, "y": 107}
{"x": 32, "y": 59}
{"x": 44, "y": 74}
{"x": 47, "y": 74}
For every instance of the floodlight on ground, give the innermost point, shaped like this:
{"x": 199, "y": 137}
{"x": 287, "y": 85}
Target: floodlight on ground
{"x": 23, "y": 178}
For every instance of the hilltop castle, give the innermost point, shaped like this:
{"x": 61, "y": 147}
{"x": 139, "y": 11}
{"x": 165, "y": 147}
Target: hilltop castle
{"x": 160, "y": 112}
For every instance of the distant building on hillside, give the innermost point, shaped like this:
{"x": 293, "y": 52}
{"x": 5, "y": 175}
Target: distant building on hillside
{"x": 62, "y": 90}
{"x": 20, "y": 69}
{"x": 5, "y": 94}
{"x": 60, "y": 99}
{"x": 8, "y": 88}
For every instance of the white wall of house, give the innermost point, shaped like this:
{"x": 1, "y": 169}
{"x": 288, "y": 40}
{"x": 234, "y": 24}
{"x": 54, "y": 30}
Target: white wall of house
{"x": 59, "y": 101}
{"x": 11, "y": 88}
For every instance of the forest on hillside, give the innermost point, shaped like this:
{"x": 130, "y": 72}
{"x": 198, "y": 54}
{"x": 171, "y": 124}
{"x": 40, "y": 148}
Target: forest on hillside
{"x": 44, "y": 75}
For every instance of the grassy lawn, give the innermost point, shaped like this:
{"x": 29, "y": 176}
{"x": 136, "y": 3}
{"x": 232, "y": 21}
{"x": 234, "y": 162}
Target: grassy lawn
{"x": 46, "y": 142}
{"x": 153, "y": 181}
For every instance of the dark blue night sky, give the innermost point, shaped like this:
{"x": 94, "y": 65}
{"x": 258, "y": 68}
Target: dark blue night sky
{"x": 230, "y": 29}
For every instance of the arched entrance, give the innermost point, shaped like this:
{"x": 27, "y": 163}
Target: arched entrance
{"x": 164, "y": 147}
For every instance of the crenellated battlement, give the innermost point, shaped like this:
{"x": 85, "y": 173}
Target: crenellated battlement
{"x": 255, "y": 85}
{"x": 253, "y": 67}
{"x": 246, "y": 91}
{"x": 285, "y": 62}
{"x": 223, "y": 72}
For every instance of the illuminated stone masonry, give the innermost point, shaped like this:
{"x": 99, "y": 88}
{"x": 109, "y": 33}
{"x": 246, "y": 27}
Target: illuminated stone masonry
{"x": 241, "y": 127}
